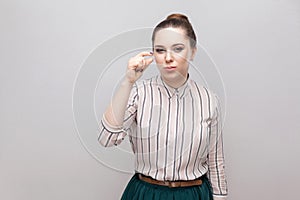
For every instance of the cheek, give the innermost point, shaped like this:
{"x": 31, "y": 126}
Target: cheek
{"x": 159, "y": 58}
{"x": 181, "y": 58}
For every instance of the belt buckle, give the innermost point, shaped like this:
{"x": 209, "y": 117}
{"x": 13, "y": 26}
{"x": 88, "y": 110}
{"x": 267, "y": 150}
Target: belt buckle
{"x": 172, "y": 184}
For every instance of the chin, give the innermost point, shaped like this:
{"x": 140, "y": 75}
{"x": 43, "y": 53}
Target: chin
{"x": 172, "y": 76}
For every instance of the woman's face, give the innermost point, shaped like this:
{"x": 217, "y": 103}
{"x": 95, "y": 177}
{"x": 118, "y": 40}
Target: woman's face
{"x": 172, "y": 52}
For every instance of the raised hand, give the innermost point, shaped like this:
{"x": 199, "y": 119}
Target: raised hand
{"x": 137, "y": 65}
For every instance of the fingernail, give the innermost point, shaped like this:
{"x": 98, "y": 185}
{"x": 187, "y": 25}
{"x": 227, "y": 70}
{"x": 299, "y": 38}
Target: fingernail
{"x": 151, "y": 52}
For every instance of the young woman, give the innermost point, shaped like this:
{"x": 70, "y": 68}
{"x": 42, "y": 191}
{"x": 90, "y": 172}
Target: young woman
{"x": 174, "y": 124}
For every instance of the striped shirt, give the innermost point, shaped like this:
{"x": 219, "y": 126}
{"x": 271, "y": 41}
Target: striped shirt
{"x": 175, "y": 134}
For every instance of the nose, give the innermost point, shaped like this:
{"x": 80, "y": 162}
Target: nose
{"x": 169, "y": 56}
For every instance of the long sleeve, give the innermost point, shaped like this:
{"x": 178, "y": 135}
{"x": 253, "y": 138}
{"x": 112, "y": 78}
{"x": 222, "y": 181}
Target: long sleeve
{"x": 216, "y": 163}
{"x": 110, "y": 135}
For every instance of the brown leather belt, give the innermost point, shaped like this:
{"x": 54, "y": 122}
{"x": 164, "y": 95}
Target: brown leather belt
{"x": 170, "y": 184}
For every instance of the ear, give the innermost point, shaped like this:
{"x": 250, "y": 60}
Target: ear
{"x": 194, "y": 50}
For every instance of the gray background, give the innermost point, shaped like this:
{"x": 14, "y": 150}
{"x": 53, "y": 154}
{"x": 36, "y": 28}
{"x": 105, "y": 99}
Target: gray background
{"x": 255, "y": 44}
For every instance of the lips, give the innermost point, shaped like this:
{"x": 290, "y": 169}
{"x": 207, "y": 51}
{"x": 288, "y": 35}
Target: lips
{"x": 170, "y": 67}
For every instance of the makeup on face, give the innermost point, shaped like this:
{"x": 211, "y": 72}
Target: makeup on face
{"x": 175, "y": 48}
{"x": 172, "y": 42}
{"x": 172, "y": 52}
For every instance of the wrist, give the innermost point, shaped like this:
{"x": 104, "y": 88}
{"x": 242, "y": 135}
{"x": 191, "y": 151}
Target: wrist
{"x": 127, "y": 82}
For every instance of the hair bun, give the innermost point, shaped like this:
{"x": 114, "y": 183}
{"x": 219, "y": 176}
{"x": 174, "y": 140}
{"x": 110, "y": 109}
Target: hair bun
{"x": 178, "y": 16}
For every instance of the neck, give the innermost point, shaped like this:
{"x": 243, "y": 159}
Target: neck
{"x": 176, "y": 83}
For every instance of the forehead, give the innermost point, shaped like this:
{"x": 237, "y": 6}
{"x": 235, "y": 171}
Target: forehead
{"x": 169, "y": 36}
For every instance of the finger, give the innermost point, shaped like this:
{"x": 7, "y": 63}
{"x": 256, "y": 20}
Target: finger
{"x": 134, "y": 62}
{"x": 148, "y": 61}
{"x": 144, "y": 53}
{"x": 143, "y": 62}
{"x": 139, "y": 70}
{"x": 140, "y": 65}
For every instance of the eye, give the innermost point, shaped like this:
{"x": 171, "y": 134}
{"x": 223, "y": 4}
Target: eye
{"x": 178, "y": 49}
{"x": 159, "y": 50}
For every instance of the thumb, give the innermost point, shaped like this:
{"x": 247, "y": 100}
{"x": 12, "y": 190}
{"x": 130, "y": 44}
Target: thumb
{"x": 148, "y": 61}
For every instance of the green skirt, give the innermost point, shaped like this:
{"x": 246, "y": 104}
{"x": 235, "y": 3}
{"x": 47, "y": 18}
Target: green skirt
{"x": 137, "y": 189}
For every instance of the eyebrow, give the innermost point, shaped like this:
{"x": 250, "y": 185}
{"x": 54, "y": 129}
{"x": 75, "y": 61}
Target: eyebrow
{"x": 172, "y": 45}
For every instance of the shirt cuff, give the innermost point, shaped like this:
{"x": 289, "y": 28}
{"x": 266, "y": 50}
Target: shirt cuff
{"x": 220, "y": 197}
{"x": 110, "y": 127}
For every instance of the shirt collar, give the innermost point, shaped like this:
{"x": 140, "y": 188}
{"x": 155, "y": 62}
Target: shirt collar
{"x": 181, "y": 91}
